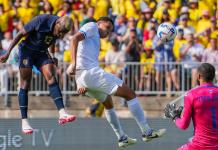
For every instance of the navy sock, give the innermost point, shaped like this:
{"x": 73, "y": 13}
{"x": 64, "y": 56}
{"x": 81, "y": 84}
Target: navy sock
{"x": 55, "y": 93}
{"x": 23, "y": 102}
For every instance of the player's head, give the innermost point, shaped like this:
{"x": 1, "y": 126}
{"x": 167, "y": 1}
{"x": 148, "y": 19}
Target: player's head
{"x": 105, "y": 26}
{"x": 62, "y": 26}
{"x": 206, "y": 73}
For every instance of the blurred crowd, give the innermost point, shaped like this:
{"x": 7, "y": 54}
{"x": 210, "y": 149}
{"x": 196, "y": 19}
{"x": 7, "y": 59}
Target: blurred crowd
{"x": 134, "y": 37}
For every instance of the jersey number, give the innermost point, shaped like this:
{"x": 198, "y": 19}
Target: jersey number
{"x": 213, "y": 111}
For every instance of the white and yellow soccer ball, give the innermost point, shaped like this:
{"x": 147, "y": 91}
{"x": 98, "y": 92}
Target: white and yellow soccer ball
{"x": 166, "y": 32}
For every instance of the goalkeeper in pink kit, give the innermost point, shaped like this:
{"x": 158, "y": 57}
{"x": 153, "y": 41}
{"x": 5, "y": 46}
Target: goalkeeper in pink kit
{"x": 200, "y": 105}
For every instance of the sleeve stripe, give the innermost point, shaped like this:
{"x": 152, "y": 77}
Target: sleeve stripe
{"x": 83, "y": 33}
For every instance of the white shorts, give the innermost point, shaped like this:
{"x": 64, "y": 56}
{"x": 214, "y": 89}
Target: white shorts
{"x": 99, "y": 83}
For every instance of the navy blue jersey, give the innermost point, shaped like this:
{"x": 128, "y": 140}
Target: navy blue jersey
{"x": 40, "y": 30}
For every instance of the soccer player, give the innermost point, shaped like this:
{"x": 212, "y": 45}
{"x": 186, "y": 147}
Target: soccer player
{"x": 96, "y": 83}
{"x": 41, "y": 33}
{"x": 200, "y": 105}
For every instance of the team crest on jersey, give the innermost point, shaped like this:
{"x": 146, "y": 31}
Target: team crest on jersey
{"x": 25, "y": 62}
{"x": 48, "y": 39}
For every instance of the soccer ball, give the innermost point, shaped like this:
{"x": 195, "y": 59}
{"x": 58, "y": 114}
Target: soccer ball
{"x": 166, "y": 32}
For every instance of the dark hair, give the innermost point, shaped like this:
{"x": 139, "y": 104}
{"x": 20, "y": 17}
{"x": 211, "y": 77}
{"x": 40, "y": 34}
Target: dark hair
{"x": 180, "y": 30}
{"x": 133, "y": 30}
{"x": 106, "y": 19}
{"x": 2, "y": 6}
{"x": 207, "y": 72}
{"x": 67, "y": 2}
{"x": 114, "y": 41}
{"x": 166, "y": 12}
{"x": 153, "y": 29}
{"x": 15, "y": 19}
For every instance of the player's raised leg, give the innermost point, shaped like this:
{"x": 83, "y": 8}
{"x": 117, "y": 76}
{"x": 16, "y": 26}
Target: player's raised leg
{"x": 55, "y": 92}
{"x": 137, "y": 112}
{"x": 25, "y": 79}
{"x": 111, "y": 116}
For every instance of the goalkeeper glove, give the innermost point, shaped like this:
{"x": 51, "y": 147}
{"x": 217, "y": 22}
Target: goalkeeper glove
{"x": 172, "y": 112}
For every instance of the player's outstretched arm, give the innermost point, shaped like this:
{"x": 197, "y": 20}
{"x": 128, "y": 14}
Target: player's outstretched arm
{"x": 186, "y": 116}
{"x": 14, "y": 42}
{"x": 79, "y": 36}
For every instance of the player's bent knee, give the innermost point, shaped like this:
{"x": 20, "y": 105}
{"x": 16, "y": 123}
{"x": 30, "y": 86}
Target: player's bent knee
{"x": 125, "y": 92}
{"x": 131, "y": 95}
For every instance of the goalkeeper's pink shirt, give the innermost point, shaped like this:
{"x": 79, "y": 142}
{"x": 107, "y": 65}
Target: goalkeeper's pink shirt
{"x": 201, "y": 105}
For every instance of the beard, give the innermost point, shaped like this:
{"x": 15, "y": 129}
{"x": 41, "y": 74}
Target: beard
{"x": 198, "y": 82}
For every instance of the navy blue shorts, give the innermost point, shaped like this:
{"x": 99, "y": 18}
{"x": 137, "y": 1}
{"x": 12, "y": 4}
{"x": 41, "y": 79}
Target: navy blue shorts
{"x": 28, "y": 58}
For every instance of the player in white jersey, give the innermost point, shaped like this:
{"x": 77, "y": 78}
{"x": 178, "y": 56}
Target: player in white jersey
{"x": 96, "y": 83}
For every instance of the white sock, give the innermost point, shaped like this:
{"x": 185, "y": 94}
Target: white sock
{"x": 113, "y": 120}
{"x": 63, "y": 113}
{"x": 137, "y": 112}
{"x": 25, "y": 124}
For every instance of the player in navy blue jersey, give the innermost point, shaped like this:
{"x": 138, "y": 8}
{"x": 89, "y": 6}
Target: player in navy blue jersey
{"x": 39, "y": 35}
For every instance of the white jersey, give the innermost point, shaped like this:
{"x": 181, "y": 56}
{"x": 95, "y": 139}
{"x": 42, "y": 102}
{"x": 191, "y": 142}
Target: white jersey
{"x": 100, "y": 84}
{"x": 88, "y": 49}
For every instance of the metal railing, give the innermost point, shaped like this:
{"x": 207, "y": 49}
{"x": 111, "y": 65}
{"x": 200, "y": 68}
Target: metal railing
{"x": 145, "y": 78}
